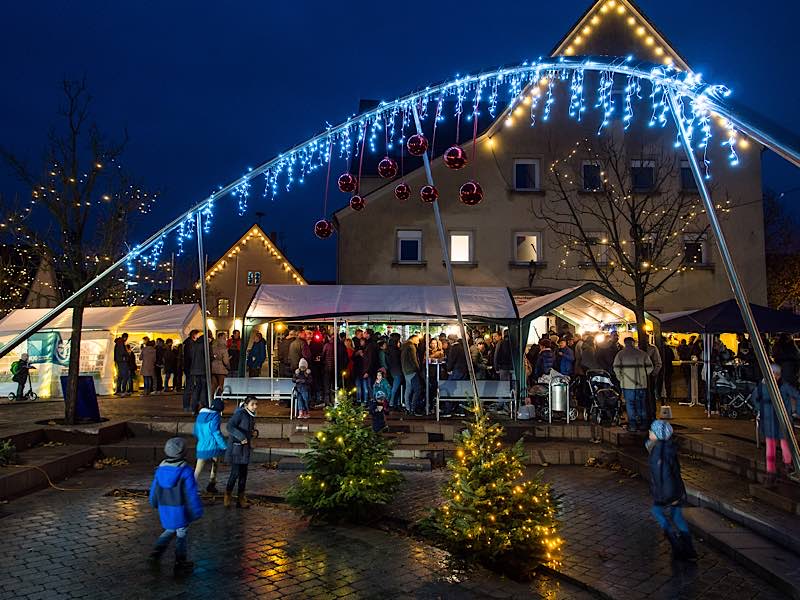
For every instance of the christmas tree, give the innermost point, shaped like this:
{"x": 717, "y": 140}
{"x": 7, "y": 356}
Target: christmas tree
{"x": 491, "y": 513}
{"x": 346, "y": 468}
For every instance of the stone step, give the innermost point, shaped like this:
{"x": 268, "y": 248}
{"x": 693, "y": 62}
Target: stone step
{"x": 783, "y": 496}
{"x": 39, "y": 463}
{"x": 768, "y": 560}
{"x": 294, "y": 463}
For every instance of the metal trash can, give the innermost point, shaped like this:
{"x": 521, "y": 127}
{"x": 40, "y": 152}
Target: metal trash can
{"x": 558, "y": 394}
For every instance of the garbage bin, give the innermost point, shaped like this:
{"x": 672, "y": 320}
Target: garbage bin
{"x": 86, "y": 408}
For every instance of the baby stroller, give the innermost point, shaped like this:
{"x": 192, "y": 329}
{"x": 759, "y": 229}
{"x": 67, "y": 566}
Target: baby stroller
{"x": 539, "y": 398}
{"x": 733, "y": 394}
{"x": 604, "y": 398}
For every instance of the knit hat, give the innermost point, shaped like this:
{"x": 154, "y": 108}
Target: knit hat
{"x": 661, "y": 429}
{"x": 303, "y": 364}
{"x": 175, "y": 447}
{"x": 380, "y": 394}
{"x": 218, "y": 405}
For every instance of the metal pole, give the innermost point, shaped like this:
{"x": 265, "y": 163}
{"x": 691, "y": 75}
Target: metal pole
{"x": 427, "y": 367}
{"x": 272, "y": 350}
{"x": 738, "y": 290}
{"x": 235, "y": 292}
{"x": 171, "y": 278}
{"x": 707, "y": 338}
{"x": 335, "y": 363}
{"x": 446, "y": 255}
{"x": 201, "y": 266}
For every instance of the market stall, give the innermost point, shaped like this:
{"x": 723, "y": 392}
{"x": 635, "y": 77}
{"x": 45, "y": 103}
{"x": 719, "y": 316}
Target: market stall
{"x": 49, "y": 348}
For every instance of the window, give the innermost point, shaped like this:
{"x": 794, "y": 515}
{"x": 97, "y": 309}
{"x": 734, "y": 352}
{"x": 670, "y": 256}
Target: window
{"x": 694, "y": 250}
{"x": 643, "y": 175}
{"x": 688, "y": 183}
{"x": 254, "y": 278}
{"x": 409, "y": 246}
{"x": 461, "y": 246}
{"x": 598, "y": 244}
{"x": 526, "y": 247}
{"x": 592, "y": 179}
{"x": 223, "y": 307}
{"x": 526, "y": 175}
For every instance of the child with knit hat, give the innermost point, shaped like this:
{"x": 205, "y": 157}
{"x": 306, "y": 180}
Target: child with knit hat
{"x": 302, "y": 385}
{"x": 174, "y": 494}
{"x": 668, "y": 490}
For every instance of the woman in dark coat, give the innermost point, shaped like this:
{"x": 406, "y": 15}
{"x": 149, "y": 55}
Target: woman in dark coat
{"x": 241, "y": 431}
{"x": 769, "y": 426}
{"x": 666, "y": 486}
{"x": 786, "y": 354}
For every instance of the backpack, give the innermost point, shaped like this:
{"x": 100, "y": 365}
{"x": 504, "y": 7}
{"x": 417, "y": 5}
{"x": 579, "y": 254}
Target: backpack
{"x": 15, "y": 367}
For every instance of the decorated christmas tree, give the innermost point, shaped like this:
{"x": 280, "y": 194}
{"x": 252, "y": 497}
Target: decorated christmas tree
{"x": 490, "y": 511}
{"x": 346, "y": 472}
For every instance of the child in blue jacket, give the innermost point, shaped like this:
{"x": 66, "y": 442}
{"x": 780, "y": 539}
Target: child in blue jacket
{"x": 210, "y": 443}
{"x": 174, "y": 494}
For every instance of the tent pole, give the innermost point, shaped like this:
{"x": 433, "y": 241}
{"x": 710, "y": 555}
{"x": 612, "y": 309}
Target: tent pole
{"x": 203, "y": 308}
{"x": 271, "y": 350}
{"x": 449, "y": 265}
{"x": 427, "y": 367}
{"x": 335, "y": 363}
{"x": 171, "y": 278}
{"x": 235, "y": 293}
{"x": 738, "y": 290}
{"x": 707, "y": 340}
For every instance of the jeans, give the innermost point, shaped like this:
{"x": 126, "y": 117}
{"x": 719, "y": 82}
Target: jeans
{"x": 394, "y": 395}
{"x": 238, "y": 472}
{"x": 199, "y": 392}
{"x": 198, "y": 469}
{"x": 457, "y": 375}
{"x": 169, "y": 377}
{"x": 148, "y": 384}
{"x": 302, "y": 399}
{"x": 123, "y": 377}
{"x": 181, "y": 544}
{"x": 411, "y": 391}
{"x": 634, "y": 403}
{"x": 362, "y": 389}
{"x": 675, "y": 515}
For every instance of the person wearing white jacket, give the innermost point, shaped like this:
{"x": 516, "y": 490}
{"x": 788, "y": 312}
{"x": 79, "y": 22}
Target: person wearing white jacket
{"x": 632, "y": 368}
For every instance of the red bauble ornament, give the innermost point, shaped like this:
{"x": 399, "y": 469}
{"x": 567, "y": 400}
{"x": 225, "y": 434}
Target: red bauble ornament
{"x": 455, "y": 157}
{"x": 471, "y": 193}
{"x": 387, "y": 168}
{"x": 357, "y": 203}
{"x": 428, "y": 193}
{"x": 402, "y": 191}
{"x": 417, "y": 144}
{"x": 347, "y": 183}
{"x": 323, "y": 229}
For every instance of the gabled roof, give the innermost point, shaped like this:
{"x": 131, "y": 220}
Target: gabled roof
{"x": 257, "y": 234}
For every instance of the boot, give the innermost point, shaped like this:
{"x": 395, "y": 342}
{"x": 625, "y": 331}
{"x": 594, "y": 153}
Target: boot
{"x": 211, "y": 488}
{"x": 687, "y": 547}
{"x": 674, "y": 543}
{"x": 242, "y": 502}
{"x": 226, "y": 500}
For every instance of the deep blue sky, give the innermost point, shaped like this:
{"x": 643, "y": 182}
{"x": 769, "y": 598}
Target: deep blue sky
{"x": 206, "y": 89}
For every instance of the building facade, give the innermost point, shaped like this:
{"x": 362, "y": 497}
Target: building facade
{"x": 518, "y": 236}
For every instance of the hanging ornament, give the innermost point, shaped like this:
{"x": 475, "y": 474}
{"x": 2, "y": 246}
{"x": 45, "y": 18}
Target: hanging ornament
{"x": 323, "y": 229}
{"x": 428, "y": 193}
{"x": 417, "y": 144}
{"x": 357, "y": 203}
{"x": 387, "y": 168}
{"x": 455, "y": 157}
{"x": 347, "y": 183}
{"x": 471, "y": 193}
{"x": 402, "y": 192}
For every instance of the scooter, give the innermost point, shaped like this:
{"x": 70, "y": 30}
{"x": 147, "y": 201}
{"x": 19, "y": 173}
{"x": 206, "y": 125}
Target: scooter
{"x": 30, "y": 395}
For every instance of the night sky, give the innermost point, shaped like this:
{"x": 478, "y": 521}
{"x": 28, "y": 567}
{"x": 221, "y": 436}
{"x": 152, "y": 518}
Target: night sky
{"x": 207, "y": 89}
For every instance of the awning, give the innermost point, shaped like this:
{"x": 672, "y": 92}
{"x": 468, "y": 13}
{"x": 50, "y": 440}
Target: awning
{"x": 326, "y": 301}
{"x": 726, "y": 317}
{"x": 157, "y": 318}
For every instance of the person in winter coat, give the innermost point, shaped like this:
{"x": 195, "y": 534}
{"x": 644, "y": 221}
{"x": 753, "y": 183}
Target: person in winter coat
{"x": 545, "y": 359}
{"x": 132, "y": 367}
{"x": 395, "y": 369}
{"x": 257, "y": 355}
{"x": 210, "y": 443}
{"x": 235, "y": 350}
{"x": 241, "y": 430}
{"x": 501, "y": 360}
{"x": 174, "y": 494}
{"x": 170, "y": 365}
{"x": 565, "y": 359}
{"x": 410, "y": 365}
{"x": 381, "y": 385}
{"x": 178, "y": 348}
{"x": 186, "y": 350}
{"x": 666, "y": 486}
{"x": 632, "y": 368}
{"x": 377, "y": 410}
{"x": 770, "y": 427}
{"x": 478, "y": 354}
{"x": 302, "y": 384}
{"x": 197, "y": 371}
{"x": 148, "y": 356}
{"x": 456, "y": 366}
{"x": 20, "y": 377}
{"x": 653, "y": 389}
{"x": 589, "y": 360}
{"x": 220, "y": 362}
{"x": 786, "y": 354}
{"x": 121, "y": 361}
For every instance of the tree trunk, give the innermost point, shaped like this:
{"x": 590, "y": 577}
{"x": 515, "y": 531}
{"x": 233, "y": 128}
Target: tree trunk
{"x": 71, "y": 399}
{"x": 641, "y": 330}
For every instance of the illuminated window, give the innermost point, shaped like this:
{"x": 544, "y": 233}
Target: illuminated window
{"x": 223, "y": 307}
{"x": 526, "y": 174}
{"x": 643, "y": 175}
{"x": 527, "y": 246}
{"x": 688, "y": 182}
{"x": 461, "y": 246}
{"x": 592, "y": 180}
{"x": 254, "y": 278}
{"x": 694, "y": 250}
{"x": 409, "y": 246}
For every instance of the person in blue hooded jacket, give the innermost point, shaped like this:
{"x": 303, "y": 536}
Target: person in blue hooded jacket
{"x": 668, "y": 490}
{"x": 257, "y": 355}
{"x": 174, "y": 494}
{"x": 210, "y": 443}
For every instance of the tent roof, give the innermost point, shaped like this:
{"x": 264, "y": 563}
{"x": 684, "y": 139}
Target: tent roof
{"x": 725, "y": 317}
{"x": 586, "y": 304}
{"x": 307, "y": 301}
{"x": 108, "y": 318}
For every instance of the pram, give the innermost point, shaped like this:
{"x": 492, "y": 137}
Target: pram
{"x": 733, "y": 393}
{"x": 604, "y": 399}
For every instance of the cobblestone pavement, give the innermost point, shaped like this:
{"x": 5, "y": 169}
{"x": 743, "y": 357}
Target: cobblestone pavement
{"x": 81, "y": 544}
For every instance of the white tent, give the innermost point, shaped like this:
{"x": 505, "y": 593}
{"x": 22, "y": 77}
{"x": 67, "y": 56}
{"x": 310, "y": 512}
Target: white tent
{"x": 317, "y": 301}
{"x": 49, "y": 349}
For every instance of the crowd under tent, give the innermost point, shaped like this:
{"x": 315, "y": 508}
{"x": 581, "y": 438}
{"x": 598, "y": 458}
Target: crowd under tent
{"x": 48, "y": 349}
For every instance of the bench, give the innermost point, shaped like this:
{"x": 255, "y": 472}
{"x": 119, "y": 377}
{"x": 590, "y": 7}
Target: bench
{"x": 263, "y": 388}
{"x": 489, "y": 390}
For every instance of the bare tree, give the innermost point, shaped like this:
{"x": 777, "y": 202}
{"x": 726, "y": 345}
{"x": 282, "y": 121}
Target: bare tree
{"x": 81, "y": 206}
{"x": 626, "y": 222}
{"x": 782, "y": 253}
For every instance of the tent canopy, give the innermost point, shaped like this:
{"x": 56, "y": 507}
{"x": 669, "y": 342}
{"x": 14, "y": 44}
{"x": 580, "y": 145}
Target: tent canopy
{"x": 318, "y": 301}
{"x": 587, "y": 305}
{"x": 726, "y": 317}
{"x": 157, "y": 318}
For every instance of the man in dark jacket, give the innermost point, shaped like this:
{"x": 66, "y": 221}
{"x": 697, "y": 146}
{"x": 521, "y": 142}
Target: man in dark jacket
{"x": 457, "y": 361}
{"x": 410, "y": 365}
{"x": 197, "y": 372}
{"x": 170, "y": 365}
{"x": 503, "y": 364}
{"x": 187, "y": 369}
{"x": 121, "y": 360}
{"x": 159, "y": 372}
{"x": 395, "y": 369}
{"x": 285, "y": 363}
